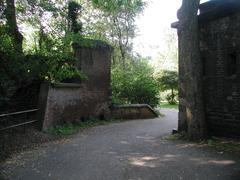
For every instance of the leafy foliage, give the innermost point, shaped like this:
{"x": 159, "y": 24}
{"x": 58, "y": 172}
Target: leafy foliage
{"x": 74, "y": 9}
{"x": 54, "y": 26}
{"x": 72, "y": 128}
{"x": 10, "y": 72}
{"x": 52, "y": 68}
{"x": 119, "y": 19}
{"x": 135, "y": 84}
{"x": 18, "y": 71}
{"x": 168, "y": 57}
{"x": 2, "y": 8}
{"x": 169, "y": 81}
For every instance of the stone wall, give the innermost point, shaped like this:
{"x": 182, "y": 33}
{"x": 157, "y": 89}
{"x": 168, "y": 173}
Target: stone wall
{"x": 220, "y": 51}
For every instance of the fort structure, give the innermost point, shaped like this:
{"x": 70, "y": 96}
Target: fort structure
{"x": 78, "y": 100}
{"x": 219, "y": 24}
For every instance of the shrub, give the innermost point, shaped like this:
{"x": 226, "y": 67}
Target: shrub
{"x": 19, "y": 71}
{"x": 169, "y": 81}
{"x": 171, "y": 98}
{"x": 135, "y": 84}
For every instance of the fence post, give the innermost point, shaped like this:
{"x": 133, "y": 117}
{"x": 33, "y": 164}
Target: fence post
{"x": 42, "y": 103}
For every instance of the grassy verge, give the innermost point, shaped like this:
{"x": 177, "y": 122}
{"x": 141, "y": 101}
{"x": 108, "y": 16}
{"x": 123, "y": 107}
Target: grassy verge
{"x": 175, "y": 137}
{"x": 72, "y": 128}
{"x": 220, "y": 144}
{"x": 224, "y": 144}
{"x": 168, "y": 106}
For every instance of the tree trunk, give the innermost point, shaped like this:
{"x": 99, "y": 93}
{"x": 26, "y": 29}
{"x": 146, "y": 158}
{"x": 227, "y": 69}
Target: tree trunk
{"x": 123, "y": 58}
{"x": 172, "y": 95}
{"x": 17, "y": 37}
{"x": 191, "y": 111}
{"x": 2, "y": 7}
{"x": 120, "y": 41}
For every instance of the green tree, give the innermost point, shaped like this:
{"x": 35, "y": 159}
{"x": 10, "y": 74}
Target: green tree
{"x": 12, "y": 27}
{"x": 53, "y": 21}
{"x": 135, "y": 84}
{"x": 2, "y": 8}
{"x": 168, "y": 57}
{"x": 39, "y": 14}
{"x": 119, "y": 18}
{"x": 49, "y": 62}
{"x": 169, "y": 81}
{"x": 74, "y": 9}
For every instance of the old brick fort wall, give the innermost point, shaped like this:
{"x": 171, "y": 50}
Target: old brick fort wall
{"x": 80, "y": 100}
{"x": 220, "y": 53}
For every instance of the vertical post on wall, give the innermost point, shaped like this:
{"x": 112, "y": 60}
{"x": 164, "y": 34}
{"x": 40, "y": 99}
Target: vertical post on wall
{"x": 42, "y": 103}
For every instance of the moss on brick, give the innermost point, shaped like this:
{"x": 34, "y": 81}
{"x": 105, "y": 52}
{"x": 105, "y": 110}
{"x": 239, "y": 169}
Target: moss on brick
{"x": 90, "y": 43}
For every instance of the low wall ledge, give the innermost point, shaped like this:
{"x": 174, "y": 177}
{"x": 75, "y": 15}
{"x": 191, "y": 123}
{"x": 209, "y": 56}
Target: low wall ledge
{"x": 129, "y": 106}
{"x": 66, "y": 85}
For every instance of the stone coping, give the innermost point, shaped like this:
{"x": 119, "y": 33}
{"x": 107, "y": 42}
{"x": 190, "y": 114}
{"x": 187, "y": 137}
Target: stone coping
{"x": 130, "y": 105}
{"x": 135, "y": 106}
{"x": 66, "y": 85}
{"x": 92, "y": 43}
{"x": 214, "y": 9}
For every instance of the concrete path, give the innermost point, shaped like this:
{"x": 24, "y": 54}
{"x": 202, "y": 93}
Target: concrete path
{"x": 132, "y": 150}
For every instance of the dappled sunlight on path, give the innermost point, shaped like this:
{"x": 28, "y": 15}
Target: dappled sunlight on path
{"x": 129, "y": 150}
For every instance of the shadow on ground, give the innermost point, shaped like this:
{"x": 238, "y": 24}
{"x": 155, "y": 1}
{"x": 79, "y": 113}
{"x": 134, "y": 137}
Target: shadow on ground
{"x": 130, "y": 150}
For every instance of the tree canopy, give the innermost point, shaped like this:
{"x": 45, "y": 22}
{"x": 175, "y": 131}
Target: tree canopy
{"x": 135, "y": 84}
{"x": 43, "y": 33}
{"x": 168, "y": 80}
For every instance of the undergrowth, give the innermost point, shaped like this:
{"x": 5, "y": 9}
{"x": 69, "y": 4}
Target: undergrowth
{"x": 72, "y": 128}
{"x": 224, "y": 144}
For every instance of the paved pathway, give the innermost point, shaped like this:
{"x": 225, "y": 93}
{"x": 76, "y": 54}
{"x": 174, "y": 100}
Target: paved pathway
{"x": 132, "y": 150}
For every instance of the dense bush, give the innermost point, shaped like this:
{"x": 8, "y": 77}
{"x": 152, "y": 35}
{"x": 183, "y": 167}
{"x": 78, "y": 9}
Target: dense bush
{"x": 169, "y": 81}
{"x": 20, "y": 73}
{"x": 42, "y": 49}
{"x": 171, "y": 98}
{"x": 135, "y": 84}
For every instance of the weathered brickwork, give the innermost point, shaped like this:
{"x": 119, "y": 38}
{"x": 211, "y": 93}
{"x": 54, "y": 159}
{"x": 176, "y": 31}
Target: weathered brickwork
{"x": 81, "y": 100}
{"x": 133, "y": 111}
{"x": 94, "y": 59}
{"x": 72, "y": 103}
{"x": 220, "y": 52}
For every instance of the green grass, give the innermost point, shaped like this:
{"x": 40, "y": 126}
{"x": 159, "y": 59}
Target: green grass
{"x": 168, "y": 106}
{"x": 72, "y": 128}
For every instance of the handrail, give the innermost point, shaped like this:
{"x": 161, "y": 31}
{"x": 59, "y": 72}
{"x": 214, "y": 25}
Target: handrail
{"x": 17, "y": 125}
{"x": 19, "y": 112}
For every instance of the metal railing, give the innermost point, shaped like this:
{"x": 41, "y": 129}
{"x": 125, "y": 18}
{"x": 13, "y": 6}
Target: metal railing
{"x": 4, "y": 119}
{"x": 13, "y": 120}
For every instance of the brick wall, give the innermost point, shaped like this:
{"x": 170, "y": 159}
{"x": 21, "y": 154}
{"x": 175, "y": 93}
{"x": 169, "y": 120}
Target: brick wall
{"x": 94, "y": 59}
{"x": 70, "y": 102}
{"x": 220, "y": 51}
{"x": 133, "y": 111}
